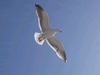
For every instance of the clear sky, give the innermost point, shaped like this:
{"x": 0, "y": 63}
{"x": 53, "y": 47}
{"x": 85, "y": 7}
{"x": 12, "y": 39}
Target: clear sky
{"x": 21, "y": 55}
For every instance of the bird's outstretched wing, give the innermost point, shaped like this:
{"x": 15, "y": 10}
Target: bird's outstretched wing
{"x": 57, "y": 47}
{"x": 42, "y": 18}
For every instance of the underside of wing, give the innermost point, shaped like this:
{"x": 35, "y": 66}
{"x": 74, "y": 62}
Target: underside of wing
{"x": 57, "y": 47}
{"x": 53, "y": 43}
{"x": 42, "y": 18}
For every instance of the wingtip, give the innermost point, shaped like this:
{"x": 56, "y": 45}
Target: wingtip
{"x": 65, "y": 61}
{"x": 36, "y": 4}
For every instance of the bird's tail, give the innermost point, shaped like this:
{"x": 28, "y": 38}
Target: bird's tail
{"x": 36, "y": 37}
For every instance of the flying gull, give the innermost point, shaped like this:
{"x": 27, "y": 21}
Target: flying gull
{"x": 48, "y": 34}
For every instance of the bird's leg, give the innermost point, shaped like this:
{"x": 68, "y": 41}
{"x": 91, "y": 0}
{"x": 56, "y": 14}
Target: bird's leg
{"x": 40, "y": 38}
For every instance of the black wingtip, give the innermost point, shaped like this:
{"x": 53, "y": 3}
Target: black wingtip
{"x": 36, "y": 4}
{"x": 65, "y": 61}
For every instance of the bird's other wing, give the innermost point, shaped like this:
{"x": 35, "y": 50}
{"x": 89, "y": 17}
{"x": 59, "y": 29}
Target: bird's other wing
{"x": 57, "y": 47}
{"x": 42, "y": 18}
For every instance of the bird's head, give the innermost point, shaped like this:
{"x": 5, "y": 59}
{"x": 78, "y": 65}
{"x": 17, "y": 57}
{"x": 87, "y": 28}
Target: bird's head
{"x": 58, "y": 30}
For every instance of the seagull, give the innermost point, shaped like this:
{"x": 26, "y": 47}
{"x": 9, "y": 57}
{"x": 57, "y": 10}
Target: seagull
{"x": 47, "y": 33}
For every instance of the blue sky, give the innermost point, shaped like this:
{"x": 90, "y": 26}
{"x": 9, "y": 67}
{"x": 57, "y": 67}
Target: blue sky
{"x": 21, "y": 55}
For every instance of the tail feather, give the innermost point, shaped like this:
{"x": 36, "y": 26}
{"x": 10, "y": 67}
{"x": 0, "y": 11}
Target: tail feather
{"x": 36, "y": 36}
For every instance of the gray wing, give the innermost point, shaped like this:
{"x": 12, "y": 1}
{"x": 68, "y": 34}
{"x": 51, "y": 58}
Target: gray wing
{"x": 57, "y": 47}
{"x": 42, "y": 18}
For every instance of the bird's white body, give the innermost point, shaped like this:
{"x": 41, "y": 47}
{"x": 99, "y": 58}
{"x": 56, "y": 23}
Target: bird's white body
{"x": 49, "y": 33}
